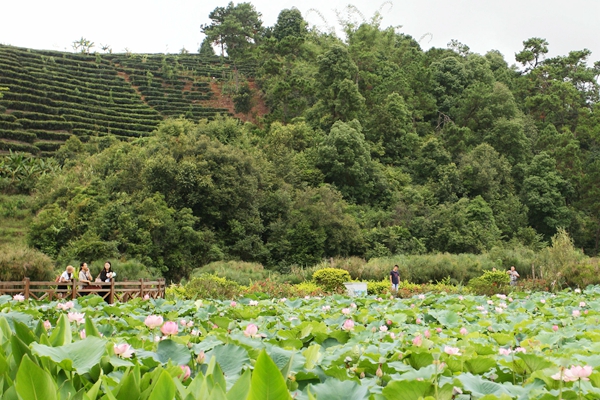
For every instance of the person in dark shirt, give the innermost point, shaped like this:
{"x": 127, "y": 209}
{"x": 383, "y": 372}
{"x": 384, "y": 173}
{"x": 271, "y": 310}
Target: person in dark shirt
{"x": 395, "y": 278}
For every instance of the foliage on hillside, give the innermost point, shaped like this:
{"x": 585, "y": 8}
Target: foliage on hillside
{"x": 373, "y": 148}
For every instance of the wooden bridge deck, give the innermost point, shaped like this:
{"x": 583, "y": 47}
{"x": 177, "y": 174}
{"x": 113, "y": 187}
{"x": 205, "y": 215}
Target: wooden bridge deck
{"x": 109, "y": 291}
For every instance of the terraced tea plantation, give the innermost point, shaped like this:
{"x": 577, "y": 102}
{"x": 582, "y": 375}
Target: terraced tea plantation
{"x": 53, "y": 95}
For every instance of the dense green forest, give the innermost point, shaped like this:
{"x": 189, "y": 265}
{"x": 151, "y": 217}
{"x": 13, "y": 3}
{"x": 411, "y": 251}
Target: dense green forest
{"x": 371, "y": 147}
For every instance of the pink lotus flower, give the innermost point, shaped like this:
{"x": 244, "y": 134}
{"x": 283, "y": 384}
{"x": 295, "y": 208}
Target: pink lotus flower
{"x": 578, "y": 372}
{"x": 345, "y": 311}
{"x": 348, "y": 325}
{"x": 392, "y": 335}
{"x": 389, "y": 322}
{"x": 480, "y": 308}
{"x": 504, "y": 352}
{"x": 499, "y": 310}
{"x": 463, "y": 331}
{"x": 123, "y": 350}
{"x": 574, "y": 373}
{"x": 577, "y": 290}
{"x": 383, "y": 328}
{"x": 153, "y": 321}
{"x": 253, "y": 303}
{"x": 490, "y": 302}
{"x": 427, "y": 333}
{"x": 461, "y": 298}
{"x": 417, "y": 341}
{"x": 18, "y": 297}
{"x": 169, "y": 328}
{"x": 510, "y": 299}
{"x": 353, "y": 305}
{"x": 146, "y": 297}
{"x": 201, "y": 357}
{"x": 421, "y": 297}
{"x": 501, "y": 296}
{"x": 82, "y": 334}
{"x": 47, "y": 325}
{"x": 186, "y": 372}
{"x": 379, "y": 372}
{"x": 554, "y": 328}
{"x": 326, "y": 308}
{"x": 582, "y": 304}
{"x": 76, "y": 317}
{"x": 418, "y": 321}
{"x": 65, "y": 306}
{"x": 438, "y": 330}
{"x": 520, "y": 350}
{"x": 233, "y": 304}
{"x": 452, "y": 351}
{"x": 576, "y": 313}
{"x": 543, "y": 301}
{"x": 251, "y": 330}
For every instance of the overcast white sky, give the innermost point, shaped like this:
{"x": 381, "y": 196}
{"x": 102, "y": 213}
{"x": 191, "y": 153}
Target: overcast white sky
{"x": 160, "y": 26}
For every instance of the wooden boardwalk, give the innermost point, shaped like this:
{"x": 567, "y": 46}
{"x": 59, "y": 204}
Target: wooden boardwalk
{"x": 110, "y": 291}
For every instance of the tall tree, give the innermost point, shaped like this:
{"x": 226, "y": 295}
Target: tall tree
{"x": 235, "y": 28}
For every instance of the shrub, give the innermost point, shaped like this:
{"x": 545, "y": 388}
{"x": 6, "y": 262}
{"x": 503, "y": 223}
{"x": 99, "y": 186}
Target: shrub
{"x": 491, "y": 282}
{"x": 17, "y": 263}
{"x": 239, "y": 271}
{"x": 268, "y": 289}
{"x": 407, "y": 289}
{"x": 331, "y": 279}
{"x": 379, "y": 288}
{"x": 562, "y": 261}
{"x": 211, "y": 287}
{"x": 175, "y": 292}
{"x": 307, "y": 289}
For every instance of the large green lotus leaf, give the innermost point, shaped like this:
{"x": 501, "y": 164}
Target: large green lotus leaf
{"x": 80, "y": 356}
{"x": 287, "y": 334}
{"x": 533, "y": 362}
{"x": 479, "y": 387}
{"x": 548, "y": 338}
{"x": 502, "y": 338}
{"x": 90, "y": 327}
{"x": 240, "y": 389}
{"x": 407, "y": 390}
{"x": 178, "y": 353}
{"x": 23, "y": 332}
{"x": 312, "y": 354}
{"x": 478, "y": 365}
{"x": 291, "y": 344}
{"x": 420, "y": 360}
{"x": 34, "y": 383}
{"x": 424, "y": 373}
{"x": 231, "y": 358}
{"x": 333, "y": 389}
{"x": 164, "y": 388}
{"x": 61, "y": 334}
{"x": 210, "y": 342}
{"x": 221, "y": 322}
{"x": 19, "y": 349}
{"x": 287, "y": 361}
{"x": 129, "y": 387}
{"x": 448, "y": 318}
{"x": 217, "y": 393}
{"x": 267, "y": 381}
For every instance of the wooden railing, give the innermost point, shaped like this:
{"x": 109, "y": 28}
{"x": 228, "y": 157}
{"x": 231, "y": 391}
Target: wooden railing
{"x": 109, "y": 291}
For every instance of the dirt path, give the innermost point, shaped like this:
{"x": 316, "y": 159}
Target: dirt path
{"x": 220, "y": 100}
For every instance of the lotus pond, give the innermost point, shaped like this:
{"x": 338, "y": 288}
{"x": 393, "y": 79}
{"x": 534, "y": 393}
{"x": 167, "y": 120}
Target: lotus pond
{"x": 517, "y": 346}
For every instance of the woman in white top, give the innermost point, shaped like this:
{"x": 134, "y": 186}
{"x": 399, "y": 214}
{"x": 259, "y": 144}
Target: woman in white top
{"x": 66, "y": 276}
